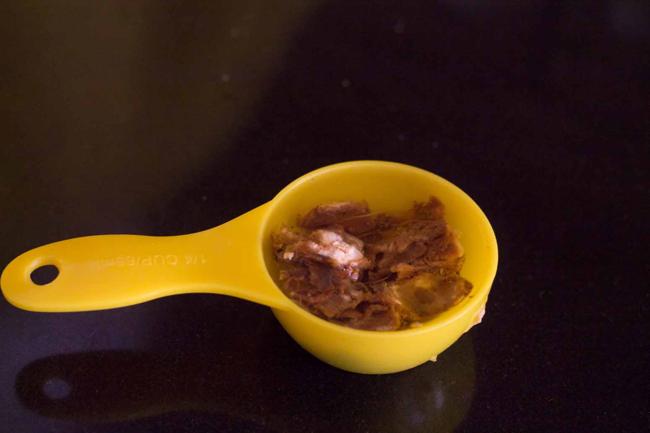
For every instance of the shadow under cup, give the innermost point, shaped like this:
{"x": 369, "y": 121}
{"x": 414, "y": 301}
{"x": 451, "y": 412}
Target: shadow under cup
{"x": 386, "y": 187}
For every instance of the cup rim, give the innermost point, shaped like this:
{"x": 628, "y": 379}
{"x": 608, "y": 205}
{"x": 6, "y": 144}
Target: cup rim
{"x": 469, "y": 303}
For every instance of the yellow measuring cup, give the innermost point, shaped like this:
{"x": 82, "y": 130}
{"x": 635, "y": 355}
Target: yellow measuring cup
{"x": 235, "y": 258}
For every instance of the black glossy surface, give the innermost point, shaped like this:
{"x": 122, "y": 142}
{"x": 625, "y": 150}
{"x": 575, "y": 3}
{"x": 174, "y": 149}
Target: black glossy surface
{"x": 172, "y": 117}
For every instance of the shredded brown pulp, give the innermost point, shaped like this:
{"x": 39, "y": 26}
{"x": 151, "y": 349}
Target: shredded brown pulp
{"x": 372, "y": 270}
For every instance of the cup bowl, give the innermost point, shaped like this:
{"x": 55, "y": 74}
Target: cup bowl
{"x": 386, "y": 187}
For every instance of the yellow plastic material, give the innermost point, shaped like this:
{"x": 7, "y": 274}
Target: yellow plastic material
{"x": 109, "y": 271}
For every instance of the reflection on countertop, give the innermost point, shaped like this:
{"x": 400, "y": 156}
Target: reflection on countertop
{"x": 268, "y": 390}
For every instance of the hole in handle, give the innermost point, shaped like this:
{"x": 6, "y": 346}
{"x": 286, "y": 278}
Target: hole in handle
{"x": 56, "y": 388}
{"x": 44, "y": 274}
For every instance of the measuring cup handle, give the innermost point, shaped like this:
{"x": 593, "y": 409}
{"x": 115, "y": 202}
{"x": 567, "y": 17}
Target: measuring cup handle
{"x": 108, "y": 271}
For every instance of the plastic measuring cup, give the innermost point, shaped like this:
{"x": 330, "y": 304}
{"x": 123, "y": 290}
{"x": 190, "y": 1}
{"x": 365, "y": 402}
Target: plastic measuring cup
{"x": 235, "y": 258}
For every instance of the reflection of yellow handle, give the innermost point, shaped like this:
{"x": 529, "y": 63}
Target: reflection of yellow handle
{"x": 98, "y": 272}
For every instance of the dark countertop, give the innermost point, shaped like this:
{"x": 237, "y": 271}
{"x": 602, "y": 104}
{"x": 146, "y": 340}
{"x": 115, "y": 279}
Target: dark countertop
{"x": 169, "y": 118}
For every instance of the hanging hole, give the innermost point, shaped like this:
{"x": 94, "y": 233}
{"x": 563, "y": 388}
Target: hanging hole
{"x": 56, "y": 388}
{"x": 44, "y": 274}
